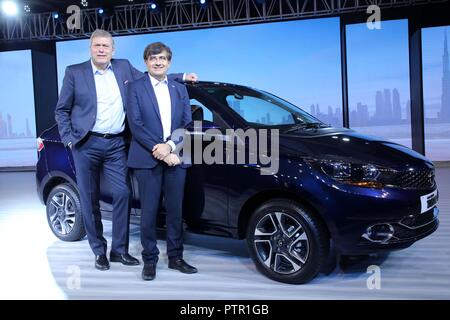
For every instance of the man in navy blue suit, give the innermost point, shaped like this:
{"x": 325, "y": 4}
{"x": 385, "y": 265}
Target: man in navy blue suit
{"x": 91, "y": 121}
{"x": 156, "y": 107}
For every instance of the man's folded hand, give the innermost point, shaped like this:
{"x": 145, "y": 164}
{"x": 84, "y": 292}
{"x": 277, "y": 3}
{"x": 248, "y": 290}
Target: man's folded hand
{"x": 172, "y": 160}
{"x": 161, "y": 150}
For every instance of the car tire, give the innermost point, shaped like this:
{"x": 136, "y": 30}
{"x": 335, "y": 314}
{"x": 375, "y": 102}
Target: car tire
{"x": 64, "y": 213}
{"x": 287, "y": 242}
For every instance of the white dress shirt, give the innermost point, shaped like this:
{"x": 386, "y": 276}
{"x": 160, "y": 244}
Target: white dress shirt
{"x": 110, "y": 112}
{"x": 161, "y": 89}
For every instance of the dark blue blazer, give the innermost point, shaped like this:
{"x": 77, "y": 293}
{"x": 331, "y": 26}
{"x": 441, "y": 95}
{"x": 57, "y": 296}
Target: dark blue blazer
{"x": 145, "y": 121}
{"x": 76, "y": 110}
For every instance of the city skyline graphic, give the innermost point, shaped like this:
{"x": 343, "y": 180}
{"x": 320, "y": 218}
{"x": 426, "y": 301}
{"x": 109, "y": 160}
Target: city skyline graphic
{"x": 7, "y": 128}
{"x": 388, "y": 107}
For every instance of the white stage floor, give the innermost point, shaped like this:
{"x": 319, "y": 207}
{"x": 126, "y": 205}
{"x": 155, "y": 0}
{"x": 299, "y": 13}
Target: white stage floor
{"x": 36, "y": 265}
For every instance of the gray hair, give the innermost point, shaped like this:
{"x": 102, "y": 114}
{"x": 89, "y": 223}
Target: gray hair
{"x": 99, "y": 33}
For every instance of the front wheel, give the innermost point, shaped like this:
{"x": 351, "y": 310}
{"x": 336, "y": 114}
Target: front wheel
{"x": 287, "y": 242}
{"x": 64, "y": 213}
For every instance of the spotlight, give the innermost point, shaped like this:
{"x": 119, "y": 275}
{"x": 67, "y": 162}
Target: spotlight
{"x": 55, "y": 15}
{"x": 203, "y": 3}
{"x": 155, "y": 6}
{"x": 27, "y": 8}
{"x": 105, "y": 12}
{"x": 84, "y": 3}
{"x": 10, "y": 8}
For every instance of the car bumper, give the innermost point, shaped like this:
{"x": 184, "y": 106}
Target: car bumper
{"x": 365, "y": 221}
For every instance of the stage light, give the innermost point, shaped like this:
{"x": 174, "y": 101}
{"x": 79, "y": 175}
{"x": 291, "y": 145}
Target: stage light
{"x": 203, "y": 3}
{"x": 106, "y": 12}
{"x": 10, "y": 8}
{"x": 55, "y": 15}
{"x": 84, "y": 3}
{"x": 153, "y": 6}
{"x": 27, "y": 8}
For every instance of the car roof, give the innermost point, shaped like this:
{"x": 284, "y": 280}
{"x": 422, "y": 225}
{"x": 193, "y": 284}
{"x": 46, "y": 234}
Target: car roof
{"x": 214, "y": 84}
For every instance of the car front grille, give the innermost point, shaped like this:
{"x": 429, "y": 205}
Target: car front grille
{"x": 421, "y": 179}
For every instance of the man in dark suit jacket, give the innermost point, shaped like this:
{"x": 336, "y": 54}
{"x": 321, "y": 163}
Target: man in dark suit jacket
{"x": 91, "y": 122}
{"x": 156, "y": 107}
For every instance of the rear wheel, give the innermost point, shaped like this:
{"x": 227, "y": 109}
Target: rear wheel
{"x": 287, "y": 242}
{"x": 64, "y": 213}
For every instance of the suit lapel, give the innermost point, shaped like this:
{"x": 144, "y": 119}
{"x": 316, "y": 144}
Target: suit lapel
{"x": 90, "y": 81}
{"x": 151, "y": 94}
{"x": 173, "y": 96}
{"x": 119, "y": 78}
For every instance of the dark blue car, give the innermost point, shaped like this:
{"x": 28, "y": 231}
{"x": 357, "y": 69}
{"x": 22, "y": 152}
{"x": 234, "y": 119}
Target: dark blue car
{"x": 333, "y": 188}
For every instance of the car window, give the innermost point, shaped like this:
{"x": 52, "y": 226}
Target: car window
{"x": 199, "y": 111}
{"x": 260, "y": 111}
{"x": 259, "y": 108}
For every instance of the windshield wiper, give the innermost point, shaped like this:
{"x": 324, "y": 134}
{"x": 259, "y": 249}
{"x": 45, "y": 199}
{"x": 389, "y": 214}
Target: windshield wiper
{"x": 305, "y": 125}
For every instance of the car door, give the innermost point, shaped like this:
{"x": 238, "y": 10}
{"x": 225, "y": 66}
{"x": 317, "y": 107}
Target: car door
{"x": 206, "y": 191}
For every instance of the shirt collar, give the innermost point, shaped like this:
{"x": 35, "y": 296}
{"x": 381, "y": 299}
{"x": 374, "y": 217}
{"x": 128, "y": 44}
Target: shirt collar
{"x": 95, "y": 70}
{"x": 156, "y": 82}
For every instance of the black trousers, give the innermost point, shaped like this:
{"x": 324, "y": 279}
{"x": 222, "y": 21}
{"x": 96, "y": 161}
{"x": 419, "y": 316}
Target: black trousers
{"x": 91, "y": 157}
{"x": 170, "y": 181}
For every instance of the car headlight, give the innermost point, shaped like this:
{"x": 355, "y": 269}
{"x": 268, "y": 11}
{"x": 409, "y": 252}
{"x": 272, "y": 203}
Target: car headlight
{"x": 358, "y": 174}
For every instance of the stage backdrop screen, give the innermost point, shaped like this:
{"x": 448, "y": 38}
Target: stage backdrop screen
{"x": 17, "y": 116}
{"x": 296, "y": 60}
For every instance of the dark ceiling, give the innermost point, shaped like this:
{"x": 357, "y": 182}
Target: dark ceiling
{"x": 38, "y": 6}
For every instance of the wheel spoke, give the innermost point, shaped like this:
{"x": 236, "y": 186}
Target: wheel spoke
{"x": 293, "y": 248}
{"x": 55, "y": 224}
{"x": 277, "y": 220}
{"x": 65, "y": 201}
{"x": 263, "y": 228}
{"x": 53, "y": 216}
{"x": 288, "y": 225}
{"x": 63, "y": 227}
{"x": 265, "y": 252}
{"x": 55, "y": 203}
{"x": 279, "y": 264}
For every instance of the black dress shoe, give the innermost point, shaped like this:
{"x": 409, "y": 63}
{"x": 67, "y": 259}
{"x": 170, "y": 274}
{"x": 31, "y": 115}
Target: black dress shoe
{"x": 149, "y": 271}
{"x": 101, "y": 262}
{"x": 181, "y": 265}
{"x": 124, "y": 258}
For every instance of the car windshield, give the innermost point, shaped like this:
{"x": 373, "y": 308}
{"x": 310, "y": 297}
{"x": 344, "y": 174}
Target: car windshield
{"x": 262, "y": 109}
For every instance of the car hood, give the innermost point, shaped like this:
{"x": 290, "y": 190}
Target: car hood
{"x": 346, "y": 144}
